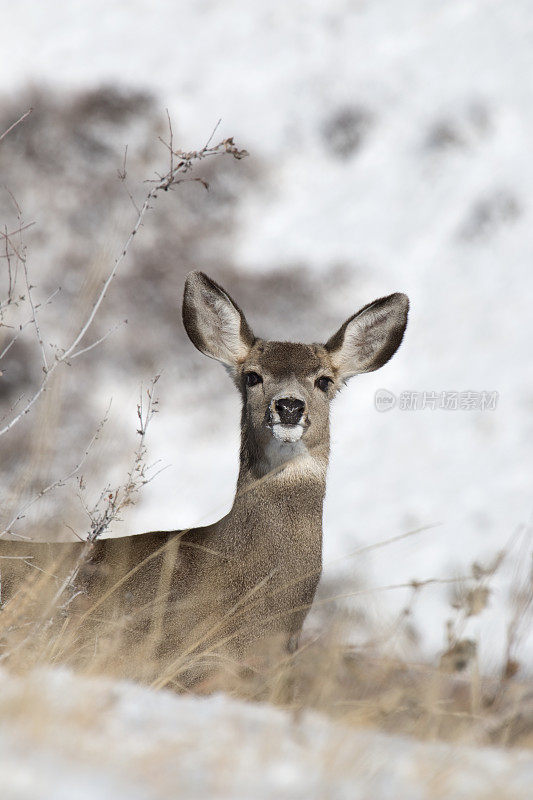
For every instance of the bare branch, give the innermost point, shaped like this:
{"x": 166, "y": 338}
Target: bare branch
{"x": 165, "y": 182}
{"x": 33, "y": 307}
{"x": 215, "y": 129}
{"x": 111, "y": 503}
{"x": 18, "y": 121}
{"x": 100, "y": 340}
{"x": 60, "y": 481}
{"x": 28, "y": 322}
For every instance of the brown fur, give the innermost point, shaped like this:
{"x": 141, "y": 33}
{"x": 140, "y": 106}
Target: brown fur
{"x": 244, "y": 584}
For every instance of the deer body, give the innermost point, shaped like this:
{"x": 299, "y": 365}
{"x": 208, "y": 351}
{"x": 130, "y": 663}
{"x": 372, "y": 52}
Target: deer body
{"x": 247, "y": 581}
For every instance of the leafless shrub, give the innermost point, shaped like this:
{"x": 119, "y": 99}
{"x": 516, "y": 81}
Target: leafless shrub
{"x": 66, "y": 354}
{"x": 33, "y": 315}
{"x": 112, "y": 501}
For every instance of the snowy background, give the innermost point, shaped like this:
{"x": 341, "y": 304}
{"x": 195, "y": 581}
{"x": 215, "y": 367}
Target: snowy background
{"x": 390, "y": 150}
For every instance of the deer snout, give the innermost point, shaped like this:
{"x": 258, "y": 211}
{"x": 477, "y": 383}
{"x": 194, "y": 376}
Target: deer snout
{"x": 290, "y": 410}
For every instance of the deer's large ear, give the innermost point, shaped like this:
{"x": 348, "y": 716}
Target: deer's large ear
{"x": 367, "y": 340}
{"x": 214, "y": 323}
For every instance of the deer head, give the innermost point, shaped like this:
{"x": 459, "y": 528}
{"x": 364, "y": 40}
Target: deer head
{"x": 287, "y": 387}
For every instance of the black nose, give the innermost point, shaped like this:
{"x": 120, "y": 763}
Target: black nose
{"x": 290, "y": 410}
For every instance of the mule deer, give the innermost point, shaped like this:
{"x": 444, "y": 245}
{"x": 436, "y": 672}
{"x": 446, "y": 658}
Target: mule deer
{"x": 249, "y": 578}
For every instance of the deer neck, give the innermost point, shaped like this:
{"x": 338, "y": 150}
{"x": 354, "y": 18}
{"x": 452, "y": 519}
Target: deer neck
{"x": 284, "y": 479}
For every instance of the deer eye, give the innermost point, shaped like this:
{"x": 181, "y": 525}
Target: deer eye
{"x": 323, "y": 383}
{"x": 252, "y": 378}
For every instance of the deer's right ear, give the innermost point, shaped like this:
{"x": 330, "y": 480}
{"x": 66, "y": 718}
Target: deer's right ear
{"x": 214, "y": 323}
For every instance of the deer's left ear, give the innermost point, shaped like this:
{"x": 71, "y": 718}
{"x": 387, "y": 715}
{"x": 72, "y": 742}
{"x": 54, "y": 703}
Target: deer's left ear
{"x": 370, "y": 338}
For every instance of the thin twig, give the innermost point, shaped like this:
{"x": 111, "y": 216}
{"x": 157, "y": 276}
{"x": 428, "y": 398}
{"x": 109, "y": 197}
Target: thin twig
{"x": 28, "y": 322}
{"x": 99, "y": 341}
{"x": 18, "y": 121}
{"x": 110, "y": 504}
{"x": 60, "y": 481}
{"x": 215, "y": 129}
{"x": 33, "y": 307}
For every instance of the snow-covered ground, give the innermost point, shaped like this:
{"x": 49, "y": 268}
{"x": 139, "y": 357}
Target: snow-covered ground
{"x": 430, "y": 193}
{"x": 63, "y": 736}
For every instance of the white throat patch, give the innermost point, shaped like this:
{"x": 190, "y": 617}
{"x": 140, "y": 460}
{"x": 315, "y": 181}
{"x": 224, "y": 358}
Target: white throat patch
{"x": 287, "y": 433}
{"x": 294, "y": 459}
{"x": 280, "y": 451}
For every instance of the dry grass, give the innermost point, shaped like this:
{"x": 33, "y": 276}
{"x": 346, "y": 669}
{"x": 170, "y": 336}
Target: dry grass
{"x": 44, "y": 622}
